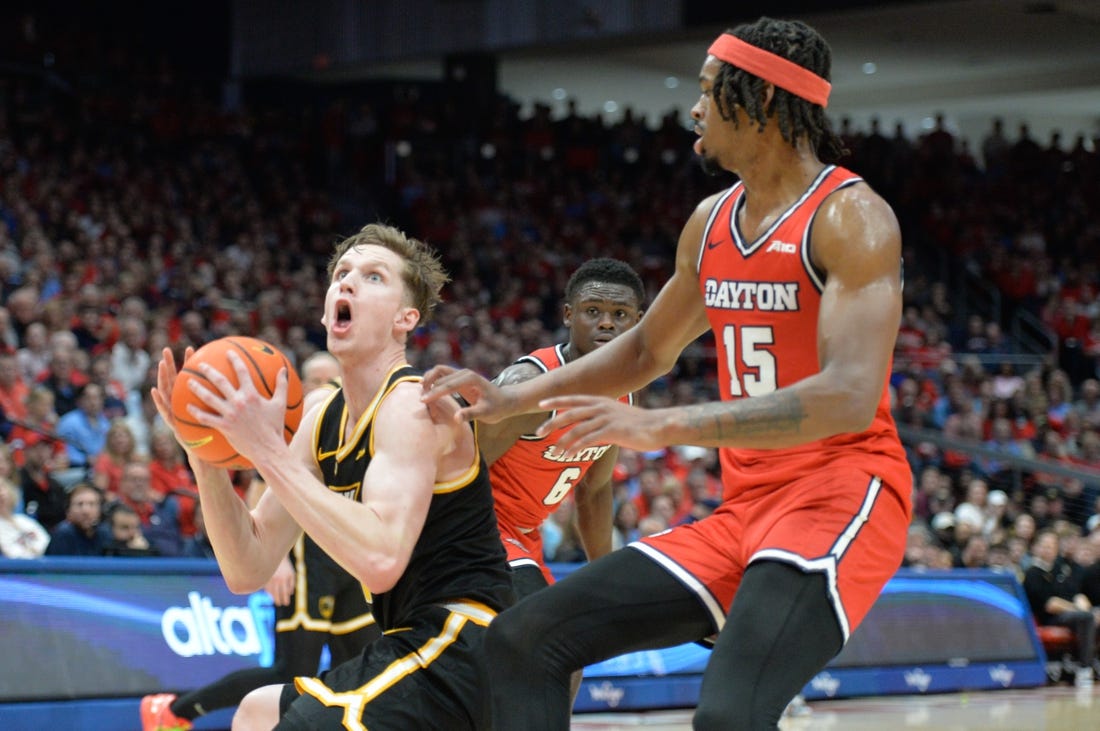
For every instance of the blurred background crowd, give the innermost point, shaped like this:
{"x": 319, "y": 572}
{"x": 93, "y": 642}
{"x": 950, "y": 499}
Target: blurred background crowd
{"x": 138, "y": 212}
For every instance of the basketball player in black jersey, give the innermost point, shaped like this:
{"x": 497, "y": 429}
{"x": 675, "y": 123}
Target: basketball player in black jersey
{"x": 317, "y": 603}
{"x": 396, "y": 493}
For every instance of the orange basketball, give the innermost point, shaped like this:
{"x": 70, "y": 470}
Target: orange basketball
{"x": 263, "y": 361}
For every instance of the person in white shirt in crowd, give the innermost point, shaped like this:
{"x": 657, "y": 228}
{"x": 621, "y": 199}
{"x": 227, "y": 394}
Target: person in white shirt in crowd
{"x": 20, "y": 535}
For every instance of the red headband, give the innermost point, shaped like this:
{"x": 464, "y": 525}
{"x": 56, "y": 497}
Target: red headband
{"x": 785, "y": 74}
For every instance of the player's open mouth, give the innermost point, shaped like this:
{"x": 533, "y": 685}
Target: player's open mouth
{"x": 343, "y": 316}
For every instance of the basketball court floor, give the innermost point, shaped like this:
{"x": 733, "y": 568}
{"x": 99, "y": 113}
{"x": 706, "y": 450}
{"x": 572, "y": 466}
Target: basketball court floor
{"x": 1053, "y": 708}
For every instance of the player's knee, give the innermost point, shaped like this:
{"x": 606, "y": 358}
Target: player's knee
{"x": 258, "y": 710}
{"x": 505, "y": 638}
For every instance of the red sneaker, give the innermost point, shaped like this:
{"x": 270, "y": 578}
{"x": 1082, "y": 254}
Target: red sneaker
{"x": 156, "y": 714}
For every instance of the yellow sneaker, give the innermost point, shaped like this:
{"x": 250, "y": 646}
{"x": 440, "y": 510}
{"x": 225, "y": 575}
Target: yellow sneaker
{"x": 156, "y": 714}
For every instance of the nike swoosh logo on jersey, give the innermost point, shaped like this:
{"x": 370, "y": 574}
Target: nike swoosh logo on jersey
{"x": 712, "y": 244}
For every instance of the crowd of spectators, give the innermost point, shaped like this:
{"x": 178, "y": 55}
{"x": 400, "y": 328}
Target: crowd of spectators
{"x": 137, "y": 213}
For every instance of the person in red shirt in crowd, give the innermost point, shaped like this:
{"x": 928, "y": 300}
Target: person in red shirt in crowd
{"x": 1016, "y": 280}
{"x": 13, "y": 388}
{"x": 652, "y": 481}
{"x": 41, "y": 419}
{"x": 120, "y": 450}
{"x": 930, "y": 355}
{"x": 1065, "y": 317}
{"x": 159, "y": 514}
{"x": 1076, "y": 288}
{"x": 96, "y": 331}
{"x": 911, "y": 335}
{"x": 170, "y": 475}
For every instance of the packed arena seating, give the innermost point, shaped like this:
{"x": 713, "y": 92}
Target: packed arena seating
{"x": 139, "y": 209}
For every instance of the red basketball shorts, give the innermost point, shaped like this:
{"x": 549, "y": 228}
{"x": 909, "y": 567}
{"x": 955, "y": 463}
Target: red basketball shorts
{"x": 840, "y": 521}
{"x": 524, "y": 549}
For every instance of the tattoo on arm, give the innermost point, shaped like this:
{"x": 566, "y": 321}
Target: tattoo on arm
{"x": 778, "y": 413}
{"x": 516, "y": 373}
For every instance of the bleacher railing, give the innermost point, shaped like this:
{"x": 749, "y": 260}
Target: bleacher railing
{"x": 912, "y": 436}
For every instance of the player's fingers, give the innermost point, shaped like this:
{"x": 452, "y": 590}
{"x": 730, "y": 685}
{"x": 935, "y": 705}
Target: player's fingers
{"x": 480, "y": 410}
{"x": 463, "y": 381}
{"x": 443, "y": 410}
{"x": 434, "y": 374}
{"x": 244, "y": 379}
{"x": 215, "y": 400}
{"x": 564, "y": 416}
{"x": 583, "y": 434}
{"x": 559, "y": 403}
{"x": 216, "y": 378}
{"x": 166, "y": 369}
{"x": 281, "y": 381}
{"x": 166, "y": 379}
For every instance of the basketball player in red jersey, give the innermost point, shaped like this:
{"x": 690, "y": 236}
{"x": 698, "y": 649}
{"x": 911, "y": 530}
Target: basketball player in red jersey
{"x": 530, "y": 475}
{"x": 796, "y": 270}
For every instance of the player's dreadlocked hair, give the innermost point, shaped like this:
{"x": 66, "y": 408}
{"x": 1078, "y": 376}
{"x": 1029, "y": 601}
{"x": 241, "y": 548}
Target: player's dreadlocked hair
{"x": 796, "y": 42}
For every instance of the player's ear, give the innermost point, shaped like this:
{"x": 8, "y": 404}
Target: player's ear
{"x": 407, "y": 319}
{"x": 567, "y": 315}
{"x": 769, "y": 95}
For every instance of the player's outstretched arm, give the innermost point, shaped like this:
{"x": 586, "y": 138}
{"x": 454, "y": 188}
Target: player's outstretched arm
{"x": 485, "y": 401}
{"x": 627, "y": 363}
{"x": 857, "y": 243}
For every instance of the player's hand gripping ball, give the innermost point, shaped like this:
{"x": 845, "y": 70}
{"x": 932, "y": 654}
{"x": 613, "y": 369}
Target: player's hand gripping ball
{"x": 263, "y": 361}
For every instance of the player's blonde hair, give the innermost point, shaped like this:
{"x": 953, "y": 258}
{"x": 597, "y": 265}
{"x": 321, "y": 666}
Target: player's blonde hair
{"x": 423, "y": 274}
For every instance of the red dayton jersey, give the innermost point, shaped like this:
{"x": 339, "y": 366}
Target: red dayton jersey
{"x": 763, "y": 299}
{"x": 531, "y": 478}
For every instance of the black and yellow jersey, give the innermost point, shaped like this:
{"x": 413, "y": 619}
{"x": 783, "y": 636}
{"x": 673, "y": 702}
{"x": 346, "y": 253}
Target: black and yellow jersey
{"x": 458, "y": 556}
